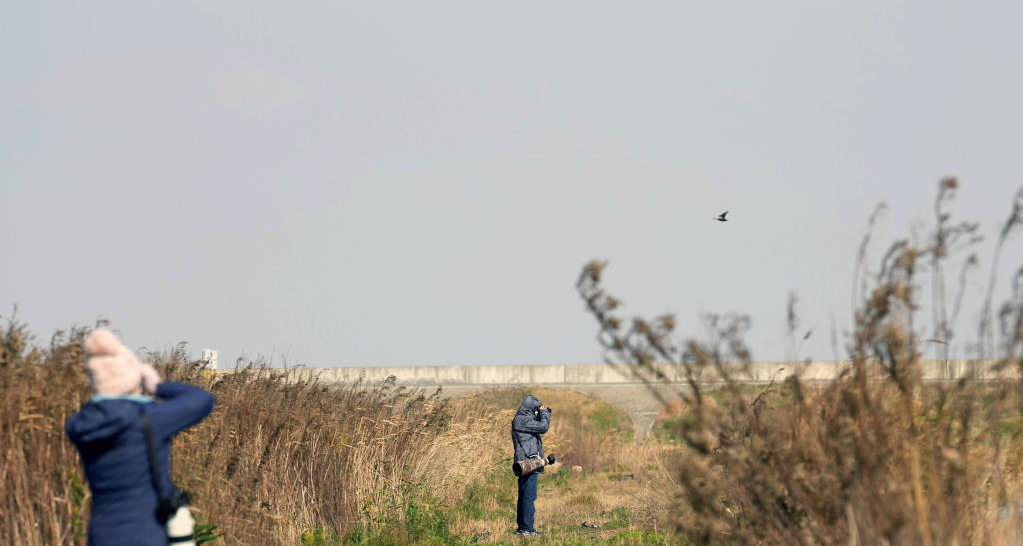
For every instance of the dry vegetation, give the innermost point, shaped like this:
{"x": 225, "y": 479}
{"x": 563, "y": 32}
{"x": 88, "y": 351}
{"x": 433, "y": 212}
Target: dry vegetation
{"x": 286, "y": 460}
{"x": 618, "y": 487}
{"x": 280, "y": 457}
{"x": 874, "y": 457}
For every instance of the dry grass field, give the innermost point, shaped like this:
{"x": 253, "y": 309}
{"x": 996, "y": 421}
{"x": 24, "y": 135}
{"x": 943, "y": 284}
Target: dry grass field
{"x": 290, "y": 462}
{"x": 285, "y": 460}
{"x": 605, "y": 478}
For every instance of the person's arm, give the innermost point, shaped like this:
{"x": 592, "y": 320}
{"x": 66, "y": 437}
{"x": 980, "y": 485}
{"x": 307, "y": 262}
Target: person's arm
{"x": 181, "y": 406}
{"x": 540, "y": 425}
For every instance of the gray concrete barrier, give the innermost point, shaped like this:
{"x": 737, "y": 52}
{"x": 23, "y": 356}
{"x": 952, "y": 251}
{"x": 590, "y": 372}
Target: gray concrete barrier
{"x": 641, "y": 394}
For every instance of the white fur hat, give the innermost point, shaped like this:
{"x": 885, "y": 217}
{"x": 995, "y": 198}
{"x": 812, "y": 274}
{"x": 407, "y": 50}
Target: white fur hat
{"x": 113, "y": 368}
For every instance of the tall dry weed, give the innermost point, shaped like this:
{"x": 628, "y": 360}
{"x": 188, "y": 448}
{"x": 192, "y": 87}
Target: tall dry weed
{"x": 873, "y": 457}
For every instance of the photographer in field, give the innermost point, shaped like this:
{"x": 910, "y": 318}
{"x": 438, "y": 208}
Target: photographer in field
{"x": 123, "y": 435}
{"x": 531, "y": 420}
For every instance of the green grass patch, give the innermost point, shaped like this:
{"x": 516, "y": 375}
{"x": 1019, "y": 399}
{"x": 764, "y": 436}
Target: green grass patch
{"x": 562, "y": 480}
{"x": 319, "y": 537}
{"x": 619, "y": 518}
{"x": 425, "y": 524}
{"x": 610, "y": 419}
{"x": 640, "y": 538}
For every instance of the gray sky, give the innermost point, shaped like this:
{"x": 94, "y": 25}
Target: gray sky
{"x": 420, "y": 183}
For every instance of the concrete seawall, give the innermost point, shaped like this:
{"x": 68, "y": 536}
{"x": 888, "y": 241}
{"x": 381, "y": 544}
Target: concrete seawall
{"x": 620, "y": 385}
{"x": 568, "y": 374}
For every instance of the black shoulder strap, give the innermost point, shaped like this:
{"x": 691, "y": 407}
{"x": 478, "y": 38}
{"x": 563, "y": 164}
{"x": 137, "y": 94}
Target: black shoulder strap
{"x": 147, "y": 430}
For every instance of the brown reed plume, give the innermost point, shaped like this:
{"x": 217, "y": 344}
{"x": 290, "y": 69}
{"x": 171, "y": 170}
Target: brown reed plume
{"x": 873, "y": 457}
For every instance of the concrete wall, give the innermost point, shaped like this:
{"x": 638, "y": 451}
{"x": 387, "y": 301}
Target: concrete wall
{"x": 621, "y": 385}
{"x": 570, "y": 374}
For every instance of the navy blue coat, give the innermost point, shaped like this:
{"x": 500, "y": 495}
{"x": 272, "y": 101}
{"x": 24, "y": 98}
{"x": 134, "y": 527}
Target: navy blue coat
{"x": 527, "y": 426}
{"x": 108, "y": 434}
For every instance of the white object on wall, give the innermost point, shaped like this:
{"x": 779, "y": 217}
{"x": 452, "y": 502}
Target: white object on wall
{"x": 209, "y": 356}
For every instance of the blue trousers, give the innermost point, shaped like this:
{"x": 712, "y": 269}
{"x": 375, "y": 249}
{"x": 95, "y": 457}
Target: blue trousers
{"x": 525, "y": 511}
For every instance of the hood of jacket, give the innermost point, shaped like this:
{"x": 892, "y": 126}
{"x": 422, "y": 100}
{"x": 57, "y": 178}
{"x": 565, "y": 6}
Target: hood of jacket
{"x": 102, "y": 420}
{"x": 529, "y": 405}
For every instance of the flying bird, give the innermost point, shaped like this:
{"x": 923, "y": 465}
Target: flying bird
{"x": 722, "y": 218}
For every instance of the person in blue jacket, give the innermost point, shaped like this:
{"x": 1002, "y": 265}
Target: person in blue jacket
{"x": 108, "y": 433}
{"x": 531, "y": 420}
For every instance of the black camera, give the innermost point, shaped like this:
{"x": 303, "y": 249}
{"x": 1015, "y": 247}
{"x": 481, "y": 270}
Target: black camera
{"x": 168, "y": 506}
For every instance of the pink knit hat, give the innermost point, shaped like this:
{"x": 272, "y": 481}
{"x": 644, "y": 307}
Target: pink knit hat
{"x": 113, "y": 368}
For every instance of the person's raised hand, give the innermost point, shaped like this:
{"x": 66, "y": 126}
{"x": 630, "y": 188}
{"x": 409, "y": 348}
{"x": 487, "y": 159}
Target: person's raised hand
{"x": 150, "y": 378}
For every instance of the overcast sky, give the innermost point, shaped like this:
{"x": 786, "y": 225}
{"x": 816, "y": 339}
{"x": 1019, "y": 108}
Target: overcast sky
{"x": 421, "y": 182}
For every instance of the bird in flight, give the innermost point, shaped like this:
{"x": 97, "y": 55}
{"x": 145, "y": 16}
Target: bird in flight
{"x": 722, "y": 218}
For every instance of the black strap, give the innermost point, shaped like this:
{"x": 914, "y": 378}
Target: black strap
{"x": 147, "y": 430}
{"x": 168, "y": 501}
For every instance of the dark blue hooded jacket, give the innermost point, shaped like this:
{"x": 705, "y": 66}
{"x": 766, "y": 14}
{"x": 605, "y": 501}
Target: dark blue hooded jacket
{"x": 527, "y": 426}
{"x": 109, "y": 436}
